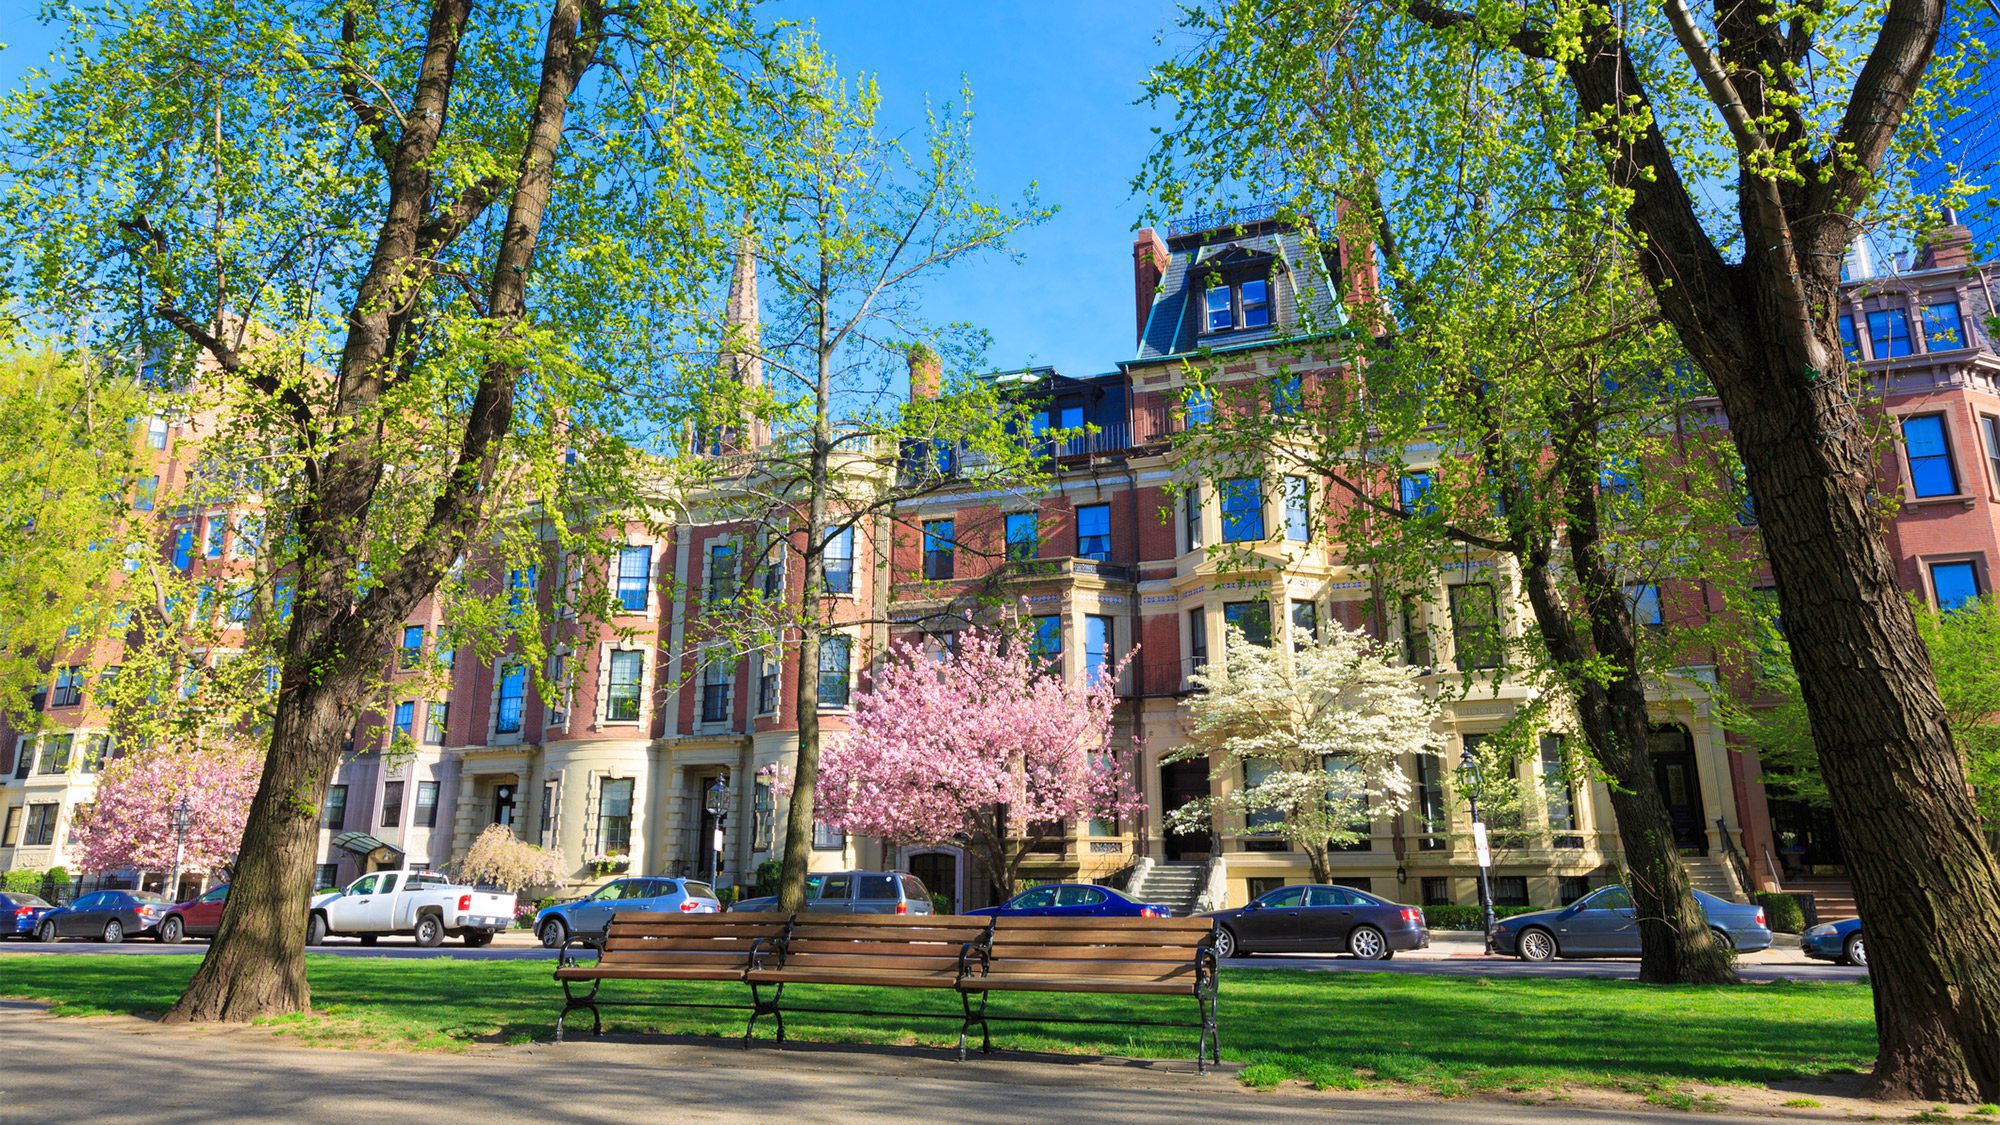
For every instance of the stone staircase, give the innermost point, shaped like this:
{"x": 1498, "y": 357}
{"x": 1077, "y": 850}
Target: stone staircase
{"x": 1714, "y": 875}
{"x": 1175, "y": 886}
{"x": 1833, "y": 895}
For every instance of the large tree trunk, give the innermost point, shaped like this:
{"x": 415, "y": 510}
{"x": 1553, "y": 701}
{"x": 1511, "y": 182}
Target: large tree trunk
{"x": 254, "y": 965}
{"x": 1675, "y": 944}
{"x": 1927, "y": 885}
{"x": 805, "y": 773}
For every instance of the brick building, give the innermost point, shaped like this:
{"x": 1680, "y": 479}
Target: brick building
{"x": 1117, "y": 553}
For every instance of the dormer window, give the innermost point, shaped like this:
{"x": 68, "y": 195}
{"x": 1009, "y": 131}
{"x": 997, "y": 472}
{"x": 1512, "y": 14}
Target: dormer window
{"x": 1234, "y": 304}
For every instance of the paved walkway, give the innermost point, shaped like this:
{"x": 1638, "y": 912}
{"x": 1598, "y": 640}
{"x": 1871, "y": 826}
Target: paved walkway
{"x": 171, "y": 1075}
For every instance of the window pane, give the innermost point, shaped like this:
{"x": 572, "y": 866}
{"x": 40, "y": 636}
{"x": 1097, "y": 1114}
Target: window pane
{"x": 614, "y": 816}
{"x": 1242, "y": 510}
{"x": 1096, "y": 647}
{"x": 1931, "y": 470}
{"x": 1298, "y": 509}
{"x": 1954, "y": 583}
{"x": 838, "y": 560}
{"x": 1288, "y": 395}
{"x": 1048, "y": 637}
{"x": 1093, "y": 532}
{"x": 628, "y": 669}
{"x": 1252, "y": 619}
{"x": 1889, "y": 332}
{"x": 721, "y": 572}
{"x": 513, "y": 681}
{"x": 1260, "y": 821}
{"x": 938, "y": 543}
{"x": 1645, "y": 602}
{"x": 635, "y": 568}
{"x": 1943, "y": 329}
{"x": 833, "y": 670}
{"x": 1991, "y": 428}
{"x": 1200, "y": 407}
{"x": 1256, "y": 303}
{"x": 1415, "y": 494}
{"x": 1023, "y": 535}
{"x": 1560, "y": 796}
{"x": 1849, "y": 346}
{"x": 1475, "y": 626}
{"x": 1220, "y": 315}
{"x": 1305, "y": 623}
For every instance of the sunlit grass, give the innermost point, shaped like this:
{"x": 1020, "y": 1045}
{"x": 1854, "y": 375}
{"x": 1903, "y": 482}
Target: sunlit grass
{"x": 1448, "y": 1034}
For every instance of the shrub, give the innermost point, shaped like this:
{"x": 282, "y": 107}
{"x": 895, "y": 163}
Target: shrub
{"x": 1782, "y": 912}
{"x": 22, "y": 880}
{"x": 940, "y": 904}
{"x": 1457, "y": 917}
{"x": 727, "y": 896}
{"x": 768, "y": 873}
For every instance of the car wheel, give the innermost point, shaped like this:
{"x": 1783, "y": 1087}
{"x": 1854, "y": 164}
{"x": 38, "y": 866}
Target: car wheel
{"x": 114, "y": 932}
{"x": 46, "y": 932}
{"x": 1535, "y": 945}
{"x": 172, "y": 931}
{"x": 430, "y": 931}
{"x": 370, "y": 939}
{"x": 316, "y": 930}
{"x": 1855, "y": 952}
{"x": 553, "y": 933}
{"x": 1728, "y": 943}
{"x": 1366, "y": 943}
{"x": 1225, "y": 943}
{"x": 476, "y": 938}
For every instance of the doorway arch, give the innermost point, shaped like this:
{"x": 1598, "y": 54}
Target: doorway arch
{"x": 942, "y": 871}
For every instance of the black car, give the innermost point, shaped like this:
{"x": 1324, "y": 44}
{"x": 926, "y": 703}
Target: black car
{"x": 1314, "y": 918}
{"x": 106, "y": 915}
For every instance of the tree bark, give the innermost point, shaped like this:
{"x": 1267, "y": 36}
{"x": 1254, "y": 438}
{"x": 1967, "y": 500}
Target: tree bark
{"x": 256, "y": 964}
{"x": 1765, "y": 333}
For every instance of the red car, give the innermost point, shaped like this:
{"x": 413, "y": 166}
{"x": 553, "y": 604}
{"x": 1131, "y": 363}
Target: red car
{"x": 194, "y": 918}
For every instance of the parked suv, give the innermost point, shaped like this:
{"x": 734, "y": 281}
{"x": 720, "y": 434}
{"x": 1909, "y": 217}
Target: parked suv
{"x": 589, "y": 916}
{"x": 856, "y": 892}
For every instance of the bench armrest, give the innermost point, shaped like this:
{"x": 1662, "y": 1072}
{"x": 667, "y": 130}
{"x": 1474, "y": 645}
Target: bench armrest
{"x": 759, "y": 948}
{"x": 980, "y": 947}
{"x": 563, "y": 958}
{"x": 1206, "y": 966}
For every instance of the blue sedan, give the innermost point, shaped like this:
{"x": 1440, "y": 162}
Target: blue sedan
{"x": 1071, "y": 900}
{"x": 19, "y": 912}
{"x": 1839, "y": 942}
{"x": 588, "y": 917}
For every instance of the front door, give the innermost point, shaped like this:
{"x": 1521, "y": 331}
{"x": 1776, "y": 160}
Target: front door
{"x": 1181, "y": 782}
{"x": 503, "y": 805}
{"x": 1680, "y": 787}
{"x": 938, "y": 871}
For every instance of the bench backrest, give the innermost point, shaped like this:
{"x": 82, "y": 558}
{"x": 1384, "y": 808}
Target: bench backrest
{"x": 1148, "y": 949}
{"x": 723, "y": 941}
{"x": 916, "y": 945}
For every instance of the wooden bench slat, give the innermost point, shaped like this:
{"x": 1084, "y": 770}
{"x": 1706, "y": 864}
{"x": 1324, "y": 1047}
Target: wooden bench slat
{"x": 818, "y": 962}
{"x": 1077, "y": 985}
{"x": 1048, "y": 952}
{"x": 947, "y": 979}
{"x": 1088, "y": 941}
{"x": 648, "y": 972}
{"x": 813, "y": 928}
{"x": 622, "y": 941}
{"x": 1157, "y": 925}
{"x": 1035, "y": 968}
{"x": 690, "y": 924}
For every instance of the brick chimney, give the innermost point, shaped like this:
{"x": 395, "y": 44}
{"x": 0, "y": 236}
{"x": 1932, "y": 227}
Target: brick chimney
{"x": 1948, "y": 247}
{"x": 1149, "y": 264}
{"x": 926, "y": 372}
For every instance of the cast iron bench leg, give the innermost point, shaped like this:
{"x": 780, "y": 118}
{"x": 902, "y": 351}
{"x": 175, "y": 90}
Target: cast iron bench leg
{"x": 974, "y": 1017}
{"x": 762, "y": 1007}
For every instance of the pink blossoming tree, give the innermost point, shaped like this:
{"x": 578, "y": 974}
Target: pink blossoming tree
{"x": 131, "y": 823}
{"x": 982, "y": 746}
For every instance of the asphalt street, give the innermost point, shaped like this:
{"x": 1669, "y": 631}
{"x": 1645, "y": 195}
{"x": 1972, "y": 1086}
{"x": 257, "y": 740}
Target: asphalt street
{"x": 174, "y": 1075}
{"x": 1451, "y": 954}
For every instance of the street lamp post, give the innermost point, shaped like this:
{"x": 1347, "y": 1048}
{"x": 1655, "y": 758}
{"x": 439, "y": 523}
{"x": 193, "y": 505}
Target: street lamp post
{"x": 718, "y": 810}
{"x": 1481, "y": 850}
{"x": 180, "y": 847}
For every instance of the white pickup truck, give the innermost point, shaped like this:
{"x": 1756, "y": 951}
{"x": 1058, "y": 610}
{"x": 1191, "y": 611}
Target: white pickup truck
{"x": 420, "y": 903}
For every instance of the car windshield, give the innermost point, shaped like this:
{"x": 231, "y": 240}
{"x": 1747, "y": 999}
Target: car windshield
{"x": 147, "y": 897}
{"x": 1610, "y": 898}
{"x": 609, "y": 892}
{"x": 24, "y": 900}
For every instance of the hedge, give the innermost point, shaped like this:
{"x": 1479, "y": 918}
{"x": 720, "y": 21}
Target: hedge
{"x": 1469, "y": 917}
{"x": 1782, "y": 912}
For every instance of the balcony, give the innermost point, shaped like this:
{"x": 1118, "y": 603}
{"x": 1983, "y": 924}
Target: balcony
{"x": 1073, "y": 566}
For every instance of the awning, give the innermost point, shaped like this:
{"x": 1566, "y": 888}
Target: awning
{"x": 361, "y": 843}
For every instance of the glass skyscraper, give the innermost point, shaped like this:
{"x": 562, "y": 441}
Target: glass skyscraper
{"x": 1969, "y": 144}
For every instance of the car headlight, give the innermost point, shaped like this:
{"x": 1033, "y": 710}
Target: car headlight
{"x": 1821, "y": 930}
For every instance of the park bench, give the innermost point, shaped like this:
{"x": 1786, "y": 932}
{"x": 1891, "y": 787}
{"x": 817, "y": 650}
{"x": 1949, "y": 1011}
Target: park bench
{"x": 1105, "y": 956}
{"x": 665, "y": 947}
{"x": 973, "y": 957}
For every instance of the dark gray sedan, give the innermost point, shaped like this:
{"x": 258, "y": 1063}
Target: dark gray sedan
{"x": 1319, "y": 918}
{"x": 1604, "y": 924}
{"x": 109, "y": 916}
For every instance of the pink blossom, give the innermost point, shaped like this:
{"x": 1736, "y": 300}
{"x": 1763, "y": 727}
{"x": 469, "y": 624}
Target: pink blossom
{"x": 131, "y": 823}
{"x": 935, "y": 744}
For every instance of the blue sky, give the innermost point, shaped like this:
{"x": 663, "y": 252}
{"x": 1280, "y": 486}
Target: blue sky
{"x": 1054, "y": 85}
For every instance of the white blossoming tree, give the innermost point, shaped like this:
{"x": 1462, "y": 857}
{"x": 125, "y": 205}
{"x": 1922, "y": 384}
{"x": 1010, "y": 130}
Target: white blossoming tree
{"x": 1324, "y": 734}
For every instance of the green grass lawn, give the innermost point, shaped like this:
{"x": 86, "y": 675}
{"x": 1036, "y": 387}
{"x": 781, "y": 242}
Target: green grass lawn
{"x": 1340, "y": 1030}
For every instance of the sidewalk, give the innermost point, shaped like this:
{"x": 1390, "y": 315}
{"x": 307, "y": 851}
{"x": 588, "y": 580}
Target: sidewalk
{"x": 172, "y": 1075}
